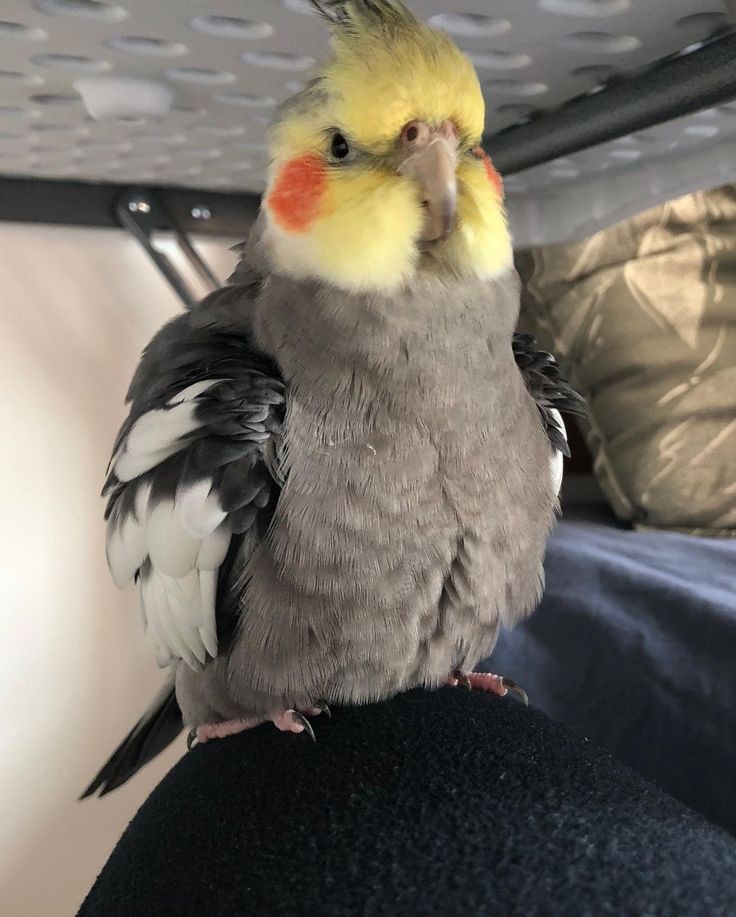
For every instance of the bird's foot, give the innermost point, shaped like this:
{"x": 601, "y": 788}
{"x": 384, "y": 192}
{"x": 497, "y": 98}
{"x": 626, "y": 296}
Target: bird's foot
{"x": 486, "y": 681}
{"x": 221, "y": 730}
{"x": 316, "y": 709}
{"x": 294, "y": 721}
{"x": 288, "y": 721}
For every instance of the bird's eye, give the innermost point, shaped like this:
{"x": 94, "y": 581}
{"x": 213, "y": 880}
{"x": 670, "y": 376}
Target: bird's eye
{"x": 340, "y": 147}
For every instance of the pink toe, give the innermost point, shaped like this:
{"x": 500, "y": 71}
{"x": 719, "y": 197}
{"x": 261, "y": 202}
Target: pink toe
{"x": 485, "y": 681}
{"x": 225, "y": 728}
{"x": 285, "y": 722}
{"x": 310, "y": 711}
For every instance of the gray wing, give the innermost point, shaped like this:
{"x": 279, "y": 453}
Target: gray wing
{"x": 552, "y": 395}
{"x": 190, "y": 475}
{"x": 551, "y": 391}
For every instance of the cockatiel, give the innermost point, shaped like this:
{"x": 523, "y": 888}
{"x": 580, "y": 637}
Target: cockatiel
{"x": 339, "y": 471}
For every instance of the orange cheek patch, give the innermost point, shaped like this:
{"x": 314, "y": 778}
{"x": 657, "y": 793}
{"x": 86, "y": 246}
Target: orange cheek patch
{"x": 295, "y": 198}
{"x": 493, "y": 177}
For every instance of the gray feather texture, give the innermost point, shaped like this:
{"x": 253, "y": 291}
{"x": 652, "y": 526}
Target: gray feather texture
{"x": 416, "y": 497}
{"x": 417, "y": 501}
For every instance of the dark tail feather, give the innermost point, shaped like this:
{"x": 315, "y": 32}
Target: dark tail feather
{"x": 157, "y": 728}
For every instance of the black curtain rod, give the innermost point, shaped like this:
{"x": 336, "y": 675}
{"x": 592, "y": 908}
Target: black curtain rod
{"x": 674, "y": 87}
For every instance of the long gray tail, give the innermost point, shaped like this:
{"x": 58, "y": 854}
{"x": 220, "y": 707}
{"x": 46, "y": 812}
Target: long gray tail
{"x": 154, "y": 731}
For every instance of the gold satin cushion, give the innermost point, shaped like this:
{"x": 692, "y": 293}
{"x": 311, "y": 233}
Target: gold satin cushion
{"x": 643, "y": 315}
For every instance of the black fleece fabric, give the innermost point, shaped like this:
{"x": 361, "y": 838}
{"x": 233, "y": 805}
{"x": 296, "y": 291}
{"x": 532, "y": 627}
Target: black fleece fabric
{"x": 438, "y": 803}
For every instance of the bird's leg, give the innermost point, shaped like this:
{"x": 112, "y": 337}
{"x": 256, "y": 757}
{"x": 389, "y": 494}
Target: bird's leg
{"x": 288, "y": 721}
{"x": 223, "y": 729}
{"x": 486, "y": 681}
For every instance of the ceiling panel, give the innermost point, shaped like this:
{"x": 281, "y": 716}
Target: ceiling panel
{"x": 226, "y": 65}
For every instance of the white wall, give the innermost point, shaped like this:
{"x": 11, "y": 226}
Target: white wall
{"x": 76, "y": 307}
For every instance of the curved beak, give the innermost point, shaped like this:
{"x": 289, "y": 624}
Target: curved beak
{"x": 433, "y": 166}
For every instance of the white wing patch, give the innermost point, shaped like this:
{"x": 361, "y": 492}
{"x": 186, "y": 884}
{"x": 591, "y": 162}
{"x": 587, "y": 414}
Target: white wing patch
{"x": 557, "y": 460}
{"x": 156, "y": 435}
{"x": 177, "y": 545}
{"x": 180, "y": 614}
{"x": 198, "y": 510}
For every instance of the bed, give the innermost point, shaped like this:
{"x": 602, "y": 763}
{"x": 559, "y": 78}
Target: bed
{"x": 634, "y": 647}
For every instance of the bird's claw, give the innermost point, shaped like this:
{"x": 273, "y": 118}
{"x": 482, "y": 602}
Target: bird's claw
{"x": 323, "y": 708}
{"x": 191, "y": 739}
{"x": 301, "y": 720}
{"x": 517, "y": 690}
{"x": 461, "y": 680}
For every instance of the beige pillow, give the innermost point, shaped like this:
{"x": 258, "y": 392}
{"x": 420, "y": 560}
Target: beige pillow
{"x": 644, "y": 316}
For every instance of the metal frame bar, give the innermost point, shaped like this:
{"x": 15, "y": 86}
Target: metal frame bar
{"x": 699, "y": 77}
{"x": 77, "y": 203}
{"x": 141, "y": 214}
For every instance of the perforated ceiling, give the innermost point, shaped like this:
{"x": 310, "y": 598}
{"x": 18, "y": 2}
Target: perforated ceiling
{"x": 228, "y": 63}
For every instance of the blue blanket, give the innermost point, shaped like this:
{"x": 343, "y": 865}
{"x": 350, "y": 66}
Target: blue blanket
{"x": 634, "y": 646}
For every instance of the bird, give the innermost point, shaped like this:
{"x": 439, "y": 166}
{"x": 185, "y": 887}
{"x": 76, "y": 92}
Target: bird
{"x": 339, "y": 471}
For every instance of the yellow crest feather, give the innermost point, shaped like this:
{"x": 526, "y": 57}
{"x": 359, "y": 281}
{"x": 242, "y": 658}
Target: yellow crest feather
{"x": 389, "y": 68}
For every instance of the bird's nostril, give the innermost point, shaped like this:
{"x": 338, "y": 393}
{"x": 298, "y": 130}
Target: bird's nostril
{"x": 412, "y": 133}
{"x": 425, "y": 204}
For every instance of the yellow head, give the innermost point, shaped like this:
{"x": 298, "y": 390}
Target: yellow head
{"x": 377, "y": 171}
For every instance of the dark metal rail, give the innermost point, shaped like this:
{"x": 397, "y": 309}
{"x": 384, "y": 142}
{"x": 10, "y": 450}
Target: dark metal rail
{"x": 674, "y": 87}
